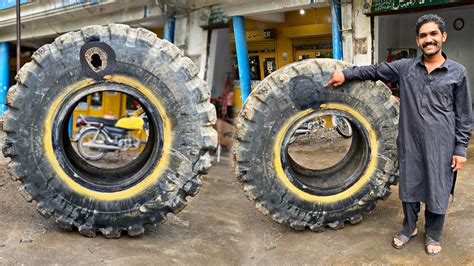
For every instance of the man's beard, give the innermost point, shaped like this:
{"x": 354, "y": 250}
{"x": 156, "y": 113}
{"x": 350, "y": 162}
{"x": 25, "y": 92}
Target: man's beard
{"x": 433, "y": 52}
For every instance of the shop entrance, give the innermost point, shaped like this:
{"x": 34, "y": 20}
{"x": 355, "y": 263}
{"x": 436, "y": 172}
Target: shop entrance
{"x": 395, "y": 36}
{"x": 318, "y": 47}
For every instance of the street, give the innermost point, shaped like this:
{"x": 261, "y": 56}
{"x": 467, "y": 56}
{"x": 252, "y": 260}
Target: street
{"x": 220, "y": 226}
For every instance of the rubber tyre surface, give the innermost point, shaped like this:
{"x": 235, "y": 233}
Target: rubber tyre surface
{"x": 156, "y": 70}
{"x": 262, "y": 130}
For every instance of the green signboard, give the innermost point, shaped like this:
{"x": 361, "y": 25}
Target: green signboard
{"x": 218, "y": 15}
{"x": 388, "y": 6}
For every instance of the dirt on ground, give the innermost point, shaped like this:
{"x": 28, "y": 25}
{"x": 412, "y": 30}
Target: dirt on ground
{"x": 221, "y": 226}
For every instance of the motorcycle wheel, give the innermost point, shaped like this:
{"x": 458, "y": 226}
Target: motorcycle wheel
{"x": 343, "y": 127}
{"x": 91, "y": 154}
{"x": 292, "y": 139}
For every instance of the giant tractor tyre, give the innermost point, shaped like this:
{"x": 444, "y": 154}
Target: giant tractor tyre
{"x": 308, "y": 198}
{"x": 110, "y": 201}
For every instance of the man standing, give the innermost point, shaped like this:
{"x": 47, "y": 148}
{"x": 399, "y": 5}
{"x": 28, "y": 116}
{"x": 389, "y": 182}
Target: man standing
{"x": 434, "y": 128}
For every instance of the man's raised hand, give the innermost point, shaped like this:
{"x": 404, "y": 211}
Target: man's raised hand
{"x": 336, "y": 80}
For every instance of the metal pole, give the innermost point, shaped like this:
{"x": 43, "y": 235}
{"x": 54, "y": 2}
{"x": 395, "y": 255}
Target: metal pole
{"x": 336, "y": 30}
{"x": 168, "y": 29}
{"x": 242, "y": 56}
{"x": 171, "y": 28}
{"x": 4, "y": 75}
{"x": 18, "y": 36}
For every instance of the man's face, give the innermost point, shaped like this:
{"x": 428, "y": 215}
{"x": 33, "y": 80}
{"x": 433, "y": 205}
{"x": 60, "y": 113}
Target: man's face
{"x": 430, "y": 39}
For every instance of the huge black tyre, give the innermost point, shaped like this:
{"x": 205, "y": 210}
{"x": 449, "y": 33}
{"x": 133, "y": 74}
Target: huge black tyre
{"x": 307, "y": 198}
{"x": 109, "y": 201}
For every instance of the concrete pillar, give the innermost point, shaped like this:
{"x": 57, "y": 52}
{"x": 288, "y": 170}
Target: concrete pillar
{"x": 4, "y": 74}
{"x": 346, "y": 24}
{"x": 195, "y": 37}
{"x": 356, "y": 33}
{"x": 362, "y": 36}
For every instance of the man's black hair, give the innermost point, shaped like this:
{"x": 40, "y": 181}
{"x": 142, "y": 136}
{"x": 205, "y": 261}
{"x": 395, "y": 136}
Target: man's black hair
{"x": 430, "y": 18}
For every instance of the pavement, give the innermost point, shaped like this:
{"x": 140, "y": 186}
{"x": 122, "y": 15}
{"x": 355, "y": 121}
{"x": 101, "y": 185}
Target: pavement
{"x": 221, "y": 226}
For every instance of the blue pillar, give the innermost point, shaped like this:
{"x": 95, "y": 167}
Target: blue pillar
{"x": 168, "y": 30}
{"x": 4, "y": 75}
{"x": 336, "y": 30}
{"x": 242, "y": 56}
{"x": 70, "y": 125}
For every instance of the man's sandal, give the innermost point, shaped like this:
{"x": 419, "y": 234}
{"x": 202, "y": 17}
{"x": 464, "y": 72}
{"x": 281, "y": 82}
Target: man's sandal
{"x": 403, "y": 238}
{"x": 431, "y": 242}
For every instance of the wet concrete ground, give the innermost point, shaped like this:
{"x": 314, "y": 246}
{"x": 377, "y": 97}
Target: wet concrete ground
{"x": 222, "y": 227}
{"x": 320, "y": 149}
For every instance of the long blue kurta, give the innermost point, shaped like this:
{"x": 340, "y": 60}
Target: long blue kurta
{"x": 435, "y": 124}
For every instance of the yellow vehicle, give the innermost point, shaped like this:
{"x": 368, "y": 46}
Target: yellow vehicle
{"x": 100, "y": 136}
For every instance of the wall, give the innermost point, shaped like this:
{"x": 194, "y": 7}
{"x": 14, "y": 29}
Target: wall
{"x": 220, "y": 62}
{"x": 361, "y": 38}
{"x": 356, "y": 34}
{"x": 195, "y": 40}
{"x": 283, "y": 45}
{"x": 458, "y": 46}
{"x": 386, "y": 35}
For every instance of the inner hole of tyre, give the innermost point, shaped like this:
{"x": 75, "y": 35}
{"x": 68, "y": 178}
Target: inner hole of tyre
{"x": 325, "y": 152}
{"x": 108, "y": 139}
{"x": 96, "y": 61}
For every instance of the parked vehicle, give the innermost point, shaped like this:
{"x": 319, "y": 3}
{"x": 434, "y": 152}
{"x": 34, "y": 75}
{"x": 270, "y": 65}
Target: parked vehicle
{"x": 306, "y": 128}
{"x": 98, "y": 136}
{"x": 341, "y": 124}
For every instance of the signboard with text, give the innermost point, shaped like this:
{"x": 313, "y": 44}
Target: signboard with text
{"x": 391, "y": 6}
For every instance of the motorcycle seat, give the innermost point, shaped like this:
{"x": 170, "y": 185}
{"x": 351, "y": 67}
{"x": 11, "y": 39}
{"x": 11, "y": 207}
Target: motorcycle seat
{"x": 105, "y": 122}
{"x": 116, "y": 130}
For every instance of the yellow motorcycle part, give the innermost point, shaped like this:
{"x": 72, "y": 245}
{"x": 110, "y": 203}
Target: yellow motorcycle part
{"x": 130, "y": 123}
{"x": 138, "y": 112}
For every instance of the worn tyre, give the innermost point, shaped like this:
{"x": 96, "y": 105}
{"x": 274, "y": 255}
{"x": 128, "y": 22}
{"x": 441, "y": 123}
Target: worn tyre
{"x": 122, "y": 59}
{"x": 307, "y": 198}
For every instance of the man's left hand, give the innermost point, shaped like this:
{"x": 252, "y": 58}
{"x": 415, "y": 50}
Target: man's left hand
{"x": 458, "y": 162}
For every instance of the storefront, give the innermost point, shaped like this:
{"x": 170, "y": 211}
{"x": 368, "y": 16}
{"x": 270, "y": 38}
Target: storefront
{"x": 394, "y": 31}
{"x": 271, "y": 46}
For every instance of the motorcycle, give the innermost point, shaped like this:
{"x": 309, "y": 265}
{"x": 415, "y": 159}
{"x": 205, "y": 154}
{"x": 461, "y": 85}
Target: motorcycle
{"x": 342, "y": 125}
{"x": 98, "y": 136}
